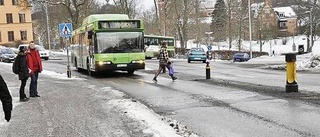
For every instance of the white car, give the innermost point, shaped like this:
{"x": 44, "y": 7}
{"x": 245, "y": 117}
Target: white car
{"x": 44, "y": 54}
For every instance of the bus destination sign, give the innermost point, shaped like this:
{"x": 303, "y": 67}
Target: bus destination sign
{"x": 119, "y": 24}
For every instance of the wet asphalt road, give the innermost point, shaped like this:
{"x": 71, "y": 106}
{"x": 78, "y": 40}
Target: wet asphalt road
{"x": 240, "y": 99}
{"x": 237, "y": 101}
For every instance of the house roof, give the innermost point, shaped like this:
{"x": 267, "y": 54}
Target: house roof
{"x": 287, "y": 11}
{"x": 208, "y": 4}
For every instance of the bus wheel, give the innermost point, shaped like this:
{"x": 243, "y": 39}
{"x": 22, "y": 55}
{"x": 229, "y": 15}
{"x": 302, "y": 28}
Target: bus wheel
{"x": 130, "y": 72}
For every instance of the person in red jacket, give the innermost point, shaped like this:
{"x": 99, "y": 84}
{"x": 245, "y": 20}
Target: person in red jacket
{"x": 35, "y": 67}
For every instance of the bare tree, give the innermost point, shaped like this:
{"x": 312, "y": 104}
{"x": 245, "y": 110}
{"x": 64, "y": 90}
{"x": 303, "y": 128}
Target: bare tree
{"x": 305, "y": 9}
{"x": 76, "y": 9}
{"x": 150, "y": 22}
{"x": 128, "y": 7}
{"x": 182, "y": 10}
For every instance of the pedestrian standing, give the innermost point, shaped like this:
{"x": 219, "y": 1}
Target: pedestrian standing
{"x": 164, "y": 61}
{"x": 6, "y": 99}
{"x": 35, "y": 67}
{"x": 273, "y": 54}
{"x": 23, "y": 74}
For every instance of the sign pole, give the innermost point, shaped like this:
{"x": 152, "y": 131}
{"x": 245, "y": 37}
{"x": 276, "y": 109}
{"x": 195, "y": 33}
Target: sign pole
{"x": 68, "y": 66}
{"x": 65, "y": 30}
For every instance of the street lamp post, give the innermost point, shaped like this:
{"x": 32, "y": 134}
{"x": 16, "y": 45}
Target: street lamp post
{"x": 48, "y": 29}
{"x": 260, "y": 37}
{"x": 208, "y": 36}
{"x": 250, "y": 31}
{"x": 311, "y": 38}
{"x": 309, "y": 44}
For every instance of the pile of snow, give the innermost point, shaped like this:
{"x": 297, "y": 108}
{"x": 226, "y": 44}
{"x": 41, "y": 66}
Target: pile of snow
{"x": 313, "y": 62}
{"x": 304, "y": 62}
{"x": 159, "y": 127}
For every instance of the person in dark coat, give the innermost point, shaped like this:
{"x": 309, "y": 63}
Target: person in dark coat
{"x": 23, "y": 72}
{"x": 6, "y": 99}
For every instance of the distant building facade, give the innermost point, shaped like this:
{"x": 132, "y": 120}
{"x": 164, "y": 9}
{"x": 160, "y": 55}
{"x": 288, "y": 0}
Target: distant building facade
{"x": 282, "y": 20}
{"x": 15, "y": 23}
{"x": 287, "y": 21}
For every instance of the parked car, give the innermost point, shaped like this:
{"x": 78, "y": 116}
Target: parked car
{"x": 15, "y": 50}
{"x": 44, "y": 54}
{"x": 7, "y": 55}
{"x": 241, "y": 57}
{"x": 197, "y": 54}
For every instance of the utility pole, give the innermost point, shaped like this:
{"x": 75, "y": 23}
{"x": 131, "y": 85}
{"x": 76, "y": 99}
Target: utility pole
{"x": 165, "y": 18}
{"x": 229, "y": 26}
{"x": 311, "y": 35}
{"x": 48, "y": 29}
{"x": 250, "y": 31}
{"x": 260, "y": 39}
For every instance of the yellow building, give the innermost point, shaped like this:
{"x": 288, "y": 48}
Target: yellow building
{"x": 15, "y": 23}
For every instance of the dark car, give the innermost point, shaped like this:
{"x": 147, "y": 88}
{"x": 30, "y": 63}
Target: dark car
{"x": 241, "y": 57}
{"x": 197, "y": 54}
{"x": 7, "y": 55}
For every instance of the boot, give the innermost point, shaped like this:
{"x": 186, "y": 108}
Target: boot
{"x": 155, "y": 80}
{"x": 174, "y": 78}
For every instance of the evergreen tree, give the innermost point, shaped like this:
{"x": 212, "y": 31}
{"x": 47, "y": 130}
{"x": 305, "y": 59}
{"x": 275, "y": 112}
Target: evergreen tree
{"x": 219, "y": 21}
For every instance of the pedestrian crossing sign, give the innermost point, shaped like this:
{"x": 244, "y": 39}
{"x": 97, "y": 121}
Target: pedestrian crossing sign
{"x": 65, "y": 29}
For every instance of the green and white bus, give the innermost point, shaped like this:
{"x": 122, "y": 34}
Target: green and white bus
{"x": 108, "y": 42}
{"x": 153, "y": 44}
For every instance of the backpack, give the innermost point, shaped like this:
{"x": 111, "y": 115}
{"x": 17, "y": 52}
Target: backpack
{"x": 15, "y": 66}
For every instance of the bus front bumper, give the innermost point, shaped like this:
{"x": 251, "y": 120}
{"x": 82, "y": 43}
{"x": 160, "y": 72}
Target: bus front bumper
{"x": 123, "y": 67}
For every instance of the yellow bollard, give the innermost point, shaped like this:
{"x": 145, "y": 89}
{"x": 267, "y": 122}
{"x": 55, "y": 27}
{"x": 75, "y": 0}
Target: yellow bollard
{"x": 292, "y": 85}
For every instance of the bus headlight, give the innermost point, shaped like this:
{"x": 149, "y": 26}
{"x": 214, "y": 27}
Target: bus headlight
{"x": 101, "y": 63}
{"x": 138, "y": 61}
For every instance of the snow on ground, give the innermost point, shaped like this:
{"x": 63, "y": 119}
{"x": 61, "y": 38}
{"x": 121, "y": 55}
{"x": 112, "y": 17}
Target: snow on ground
{"x": 310, "y": 61}
{"x": 155, "y": 123}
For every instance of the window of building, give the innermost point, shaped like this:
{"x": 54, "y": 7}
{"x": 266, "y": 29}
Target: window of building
{"x": 10, "y": 36}
{"x": 22, "y": 18}
{"x": 281, "y": 14}
{"x": 15, "y": 2}
{"x": 283, "y": 24}
{"x": 1, "y": 2}
{"x": 23, "y": 35}
{"x": 9, "y": 18}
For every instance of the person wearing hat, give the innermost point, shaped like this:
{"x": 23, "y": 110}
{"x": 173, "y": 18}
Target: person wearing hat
{"x": 23, "y": 72}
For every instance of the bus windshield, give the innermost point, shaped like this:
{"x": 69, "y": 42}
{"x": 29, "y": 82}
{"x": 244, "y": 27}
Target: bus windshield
{"x": 119, "y": 42}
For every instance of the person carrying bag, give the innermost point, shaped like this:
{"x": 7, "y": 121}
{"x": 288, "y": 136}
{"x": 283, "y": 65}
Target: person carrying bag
{"x": 163, "y": 62}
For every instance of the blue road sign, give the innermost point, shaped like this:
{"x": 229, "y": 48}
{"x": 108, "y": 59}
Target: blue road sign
{"x": 209, "y": 47}
{"x": 65, "y": 29}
